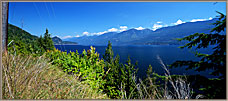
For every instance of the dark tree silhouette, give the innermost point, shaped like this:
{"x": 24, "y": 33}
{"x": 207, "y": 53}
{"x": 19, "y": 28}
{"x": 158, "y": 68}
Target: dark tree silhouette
{"x": 215, "y": 61}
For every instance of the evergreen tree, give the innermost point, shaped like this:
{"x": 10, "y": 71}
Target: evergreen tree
{"x": 48, "y": 43}
{"x": 112, "y": 72}
{"x": 152, "y": 83}
{"x": 215, "y": 61}
{"x": 40, "y": 43}
{"x": 118, "y": 77}
{"x": 44, "y": 43}
{"x": 130, "y": 76}
{"x": 109, "y": 53}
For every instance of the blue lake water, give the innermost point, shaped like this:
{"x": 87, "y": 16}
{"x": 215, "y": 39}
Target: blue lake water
{"x": 146, "y": 55}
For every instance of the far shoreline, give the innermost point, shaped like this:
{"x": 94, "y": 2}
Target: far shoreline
{"x": 119, "y": 45}
{"x": 66, "y": 44}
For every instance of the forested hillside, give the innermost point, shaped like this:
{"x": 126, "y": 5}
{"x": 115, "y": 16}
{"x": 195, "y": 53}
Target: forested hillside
{"x": 18, "y": 34}
{"x": 23, "y": 42}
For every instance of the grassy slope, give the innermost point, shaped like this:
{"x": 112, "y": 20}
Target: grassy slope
{"x": 26, "y": 77}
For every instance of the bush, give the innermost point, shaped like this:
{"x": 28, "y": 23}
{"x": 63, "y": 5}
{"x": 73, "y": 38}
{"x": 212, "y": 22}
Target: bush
{"x": 87, "y": 67}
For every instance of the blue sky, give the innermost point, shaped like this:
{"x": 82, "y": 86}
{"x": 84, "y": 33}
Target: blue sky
{"x": 74, "y": 19}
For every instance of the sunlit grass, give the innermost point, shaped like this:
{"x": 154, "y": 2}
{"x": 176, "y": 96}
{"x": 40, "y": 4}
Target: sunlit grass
{"x": 27, "y": 77}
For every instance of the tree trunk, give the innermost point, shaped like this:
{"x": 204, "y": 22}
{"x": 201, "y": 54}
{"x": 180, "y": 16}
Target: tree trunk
{"x": 5, "y": 7}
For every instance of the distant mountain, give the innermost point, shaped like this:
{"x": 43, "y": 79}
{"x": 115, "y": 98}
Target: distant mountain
{"x": 165, "y": 35}
{"x": 58, "y": 41}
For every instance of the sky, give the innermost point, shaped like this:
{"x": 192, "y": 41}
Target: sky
{"x": 75, "y": 19}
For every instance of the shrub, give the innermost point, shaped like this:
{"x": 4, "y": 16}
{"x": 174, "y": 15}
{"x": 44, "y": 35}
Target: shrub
{"x": 87, "y": 67}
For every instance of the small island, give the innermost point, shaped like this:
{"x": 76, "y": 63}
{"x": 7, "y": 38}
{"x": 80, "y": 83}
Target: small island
{"x": 58, "y": 41}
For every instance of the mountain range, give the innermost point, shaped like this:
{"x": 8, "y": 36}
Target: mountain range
{"x": 162, "y": 36}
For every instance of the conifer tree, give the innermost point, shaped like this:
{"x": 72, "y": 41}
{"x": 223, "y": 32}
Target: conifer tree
{"x": 40, "y": 43}
{"x": 119, "y": 75}
{"x": 130, "y": 76}
{"x": 48, "y": 43}
{"x": 112, "y": 76}
{"x": 215, "y": 61}
{"x": 109, "y": 53}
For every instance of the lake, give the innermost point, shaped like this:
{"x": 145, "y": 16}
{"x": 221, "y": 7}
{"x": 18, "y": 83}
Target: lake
{"x": 146, "y": 55}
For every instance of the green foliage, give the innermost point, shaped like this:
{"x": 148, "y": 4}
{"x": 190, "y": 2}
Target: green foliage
{"x": 87, "y": 66}
{"x": 152, "y": 81}
{"x": 17, "y": 33}
{"x": 47, "y": 41}
{"x": 209, "y": 88}
{"x": 119, "y": 77}
{"x": 130, "y": 80}
{"x": 21, "y": 41}
{"x": 108, "y": 57}
{"x": 113, "y": 78}
{"x": 154, "y": 84}
{"x": 215, "y": 61}
{"x": 125, "y": 78}
{"x": 24, "y": 43}
{"x": 112, "y": 68}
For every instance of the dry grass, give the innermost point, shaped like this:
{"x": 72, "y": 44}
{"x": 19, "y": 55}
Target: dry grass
{"x": 27, "y": 77}
{"x": 173, "y": 89}
{"x": 181, "y": 89}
